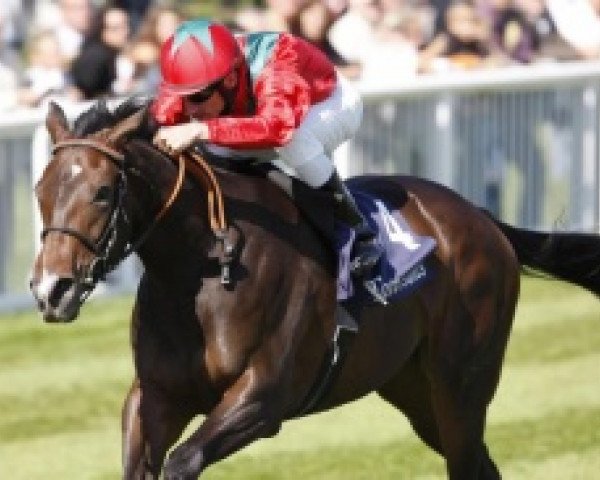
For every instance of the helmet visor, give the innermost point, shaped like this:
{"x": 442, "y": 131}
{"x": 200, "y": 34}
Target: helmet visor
{"x": 204, "y": 94}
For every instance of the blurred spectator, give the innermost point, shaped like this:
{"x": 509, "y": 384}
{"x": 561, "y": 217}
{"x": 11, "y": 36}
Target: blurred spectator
{"x": 8, "y": 88}
{"x": 158, "y": 25}
{"x": 8, "y": 81}
{"x": 578, "y": 22}
{"x": 336, "y": 7}
{"x": 9, "y": 56}
{"x": 392, "y": 56}
{"x": 383, "y": 37}
{"x": 13, "y": 15}
{"x": 416, "y": 16}
{"x": 45, "y": 73}
{"x": 465, "y": 43}
{"x": 439, "y": 7}
{"x": 279, "y": 16}
{"x": 522, "y": 30}
{"x": 136, "y": 10}
{"x": 307, "y": 19}
{"x": 314, "y": 21}
{"x": 549, "y": 44}
{"x": 73, "y": 26}
{"x": 513, "y": 33}
{"x": 353, "y": 34}
{"x": 8, "y": 77}
{"x": 100, "y": 69}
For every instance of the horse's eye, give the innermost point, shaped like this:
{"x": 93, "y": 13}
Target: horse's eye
{"x": 103, "y": 196}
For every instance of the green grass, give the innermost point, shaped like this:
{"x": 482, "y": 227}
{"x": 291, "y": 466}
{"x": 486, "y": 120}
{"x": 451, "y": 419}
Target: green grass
{"x": 61, "y": 389}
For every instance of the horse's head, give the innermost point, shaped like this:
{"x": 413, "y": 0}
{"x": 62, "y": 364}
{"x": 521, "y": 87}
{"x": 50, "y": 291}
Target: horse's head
{"x": 81, "y": 200}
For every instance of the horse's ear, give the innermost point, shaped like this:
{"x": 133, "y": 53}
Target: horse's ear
{"x": 56, "y": 123}
{"x": 127, "y": 127}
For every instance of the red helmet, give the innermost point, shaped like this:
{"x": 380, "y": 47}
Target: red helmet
{"x": 199, "y": 53}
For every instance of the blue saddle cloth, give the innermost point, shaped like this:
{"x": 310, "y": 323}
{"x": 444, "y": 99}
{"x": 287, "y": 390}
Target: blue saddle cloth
{"x": 401, "y": 267}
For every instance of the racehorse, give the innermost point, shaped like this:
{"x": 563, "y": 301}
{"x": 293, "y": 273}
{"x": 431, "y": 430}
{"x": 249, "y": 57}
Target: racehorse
{"x": 246, "y": 353}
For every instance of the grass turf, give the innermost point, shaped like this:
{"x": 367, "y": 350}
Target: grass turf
{"x": 61, "y": 389}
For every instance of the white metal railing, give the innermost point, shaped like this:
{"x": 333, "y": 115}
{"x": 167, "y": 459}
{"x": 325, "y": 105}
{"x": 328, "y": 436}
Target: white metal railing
{"x": 521, "y": 141}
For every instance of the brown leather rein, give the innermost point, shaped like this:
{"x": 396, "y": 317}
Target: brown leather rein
{"x": 199, "y": 168}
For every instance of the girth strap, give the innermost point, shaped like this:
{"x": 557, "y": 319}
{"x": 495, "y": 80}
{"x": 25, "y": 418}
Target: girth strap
{"x": 343, "y": 336}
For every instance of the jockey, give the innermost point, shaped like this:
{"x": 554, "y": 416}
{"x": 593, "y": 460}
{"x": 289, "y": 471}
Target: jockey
{"x": 262, "y": 91}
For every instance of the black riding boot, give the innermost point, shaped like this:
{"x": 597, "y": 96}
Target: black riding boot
{"x": 366, "y": 252}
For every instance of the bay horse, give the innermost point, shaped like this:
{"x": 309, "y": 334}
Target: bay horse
{"x": 247, "y": 354}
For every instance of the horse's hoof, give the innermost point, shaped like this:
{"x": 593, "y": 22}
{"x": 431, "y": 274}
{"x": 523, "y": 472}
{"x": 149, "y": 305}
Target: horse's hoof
{"x": 178, "y": 476}
{"x": 183, "y": 464}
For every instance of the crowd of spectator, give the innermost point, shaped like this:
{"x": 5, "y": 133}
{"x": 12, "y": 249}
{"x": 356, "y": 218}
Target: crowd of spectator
{"x": 390, "y": 41}
{"x": 85, "y": 49}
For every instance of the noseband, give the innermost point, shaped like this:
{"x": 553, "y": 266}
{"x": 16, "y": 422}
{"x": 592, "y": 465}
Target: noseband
{"x": 105, "y": 259}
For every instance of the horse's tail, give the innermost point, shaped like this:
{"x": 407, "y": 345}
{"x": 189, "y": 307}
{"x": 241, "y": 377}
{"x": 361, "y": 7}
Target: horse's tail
{"x": 573, "y": 257}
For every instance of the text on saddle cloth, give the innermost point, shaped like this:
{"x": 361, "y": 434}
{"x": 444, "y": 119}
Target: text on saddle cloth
{"x": 401, "y": 268}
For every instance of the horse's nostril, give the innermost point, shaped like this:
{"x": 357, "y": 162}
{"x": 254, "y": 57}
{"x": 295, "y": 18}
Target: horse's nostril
{"x": 61, "y": 287}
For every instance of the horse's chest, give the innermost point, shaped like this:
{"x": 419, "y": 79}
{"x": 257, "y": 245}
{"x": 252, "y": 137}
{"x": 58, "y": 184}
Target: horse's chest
{"x": 175, "y": 367}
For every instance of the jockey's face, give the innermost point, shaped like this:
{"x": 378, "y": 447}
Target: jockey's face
{"x": 210, "y": 102}
{"x": 204, "y": 105}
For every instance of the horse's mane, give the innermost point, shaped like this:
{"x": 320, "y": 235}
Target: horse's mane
{"x": 99, "y": 116}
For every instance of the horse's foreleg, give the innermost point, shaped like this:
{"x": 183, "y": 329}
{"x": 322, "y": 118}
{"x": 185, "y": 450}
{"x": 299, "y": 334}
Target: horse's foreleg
{"x": 149, "y": 428}
{"x": 249, "y": 410}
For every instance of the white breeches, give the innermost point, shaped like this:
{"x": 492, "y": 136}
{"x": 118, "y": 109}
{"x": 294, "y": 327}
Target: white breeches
{"x": 326, "y": 126}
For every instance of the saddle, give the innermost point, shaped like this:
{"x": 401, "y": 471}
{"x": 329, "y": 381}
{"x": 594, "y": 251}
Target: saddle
{"x": 401, "y": 267}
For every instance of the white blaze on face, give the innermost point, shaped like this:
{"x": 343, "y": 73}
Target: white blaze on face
{"x": 46, "y": 284}
{"x": 75, "y": 170}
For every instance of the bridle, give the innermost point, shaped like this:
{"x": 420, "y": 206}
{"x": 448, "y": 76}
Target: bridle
{"x": 106, "y": 258}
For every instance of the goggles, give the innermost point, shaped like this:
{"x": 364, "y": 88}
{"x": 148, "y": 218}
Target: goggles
{"x": 204, "y": 94}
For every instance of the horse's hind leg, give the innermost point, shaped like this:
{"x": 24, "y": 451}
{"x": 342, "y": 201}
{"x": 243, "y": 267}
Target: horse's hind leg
{"x": 461, "y": 430}
{"x": 410, "y": 392}
{"x": 148, "y": 431}
{"x": 459, "y": 441}
{"x": 463, "y": 363}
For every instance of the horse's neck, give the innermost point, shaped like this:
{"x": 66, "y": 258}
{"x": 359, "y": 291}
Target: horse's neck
{"x": 182, "y": 244}
{"x": 174, "y": 247}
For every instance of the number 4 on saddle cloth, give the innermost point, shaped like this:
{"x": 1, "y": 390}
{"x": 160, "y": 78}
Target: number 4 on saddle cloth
{"x": 401, "y": 267}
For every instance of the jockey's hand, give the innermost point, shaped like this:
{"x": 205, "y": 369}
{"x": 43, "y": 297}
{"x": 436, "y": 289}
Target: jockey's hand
{"x": 175, "y": 139}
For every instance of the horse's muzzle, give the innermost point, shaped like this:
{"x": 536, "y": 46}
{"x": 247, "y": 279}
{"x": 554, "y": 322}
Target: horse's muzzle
{"x": 57, "y": 298}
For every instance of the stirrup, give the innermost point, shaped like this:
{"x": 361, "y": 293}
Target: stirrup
{"x": 364, "y": 261}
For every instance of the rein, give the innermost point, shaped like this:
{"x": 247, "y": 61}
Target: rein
{"x": 103, "y": 246}
{"x": 216, "y": 212}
